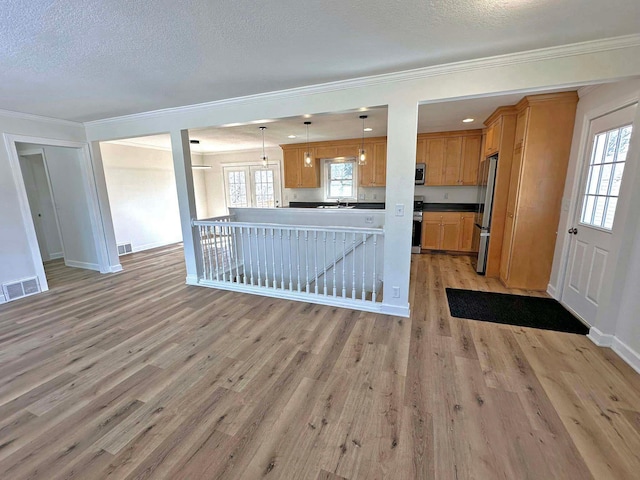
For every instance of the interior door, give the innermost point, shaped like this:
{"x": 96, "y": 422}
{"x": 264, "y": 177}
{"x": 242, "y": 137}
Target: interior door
{"x": 592, "y": 230}
{"x": 252, "y": 186}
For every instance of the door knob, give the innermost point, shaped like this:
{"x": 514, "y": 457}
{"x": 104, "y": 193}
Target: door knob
{"x": 573, "y": 231}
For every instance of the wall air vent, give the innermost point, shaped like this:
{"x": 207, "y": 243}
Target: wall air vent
{"x": 22, "y": 288}
{"x": 124, "y": 248}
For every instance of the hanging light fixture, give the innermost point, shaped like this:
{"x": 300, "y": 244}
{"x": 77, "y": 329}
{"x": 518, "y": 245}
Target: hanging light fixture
{"x": 308, "y": 159}
{"x": 362, "y": 154}
{"x": 264, "y": 158}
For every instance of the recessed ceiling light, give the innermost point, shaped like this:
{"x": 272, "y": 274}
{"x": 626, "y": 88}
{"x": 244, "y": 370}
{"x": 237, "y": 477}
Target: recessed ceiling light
{"x": 291, "y": 136}
{"x": 468, "y": 120}
{"x": 306, "y": 115}
{"x": 368, "y": 129}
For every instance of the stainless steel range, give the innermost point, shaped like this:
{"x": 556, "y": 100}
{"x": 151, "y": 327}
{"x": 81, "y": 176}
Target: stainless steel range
{"x": 416, "y": 237}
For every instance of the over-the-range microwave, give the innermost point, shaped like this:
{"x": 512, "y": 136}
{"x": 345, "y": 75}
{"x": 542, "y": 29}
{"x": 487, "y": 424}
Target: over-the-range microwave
{"x": 421, "y": 173}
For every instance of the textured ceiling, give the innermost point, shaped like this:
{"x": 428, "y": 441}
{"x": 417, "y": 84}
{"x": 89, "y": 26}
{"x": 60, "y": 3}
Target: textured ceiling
{"x": 92, "y": 59}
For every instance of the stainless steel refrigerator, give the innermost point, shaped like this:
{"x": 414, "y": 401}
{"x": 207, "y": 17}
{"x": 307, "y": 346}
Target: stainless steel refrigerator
{"x": 482, "y": 227}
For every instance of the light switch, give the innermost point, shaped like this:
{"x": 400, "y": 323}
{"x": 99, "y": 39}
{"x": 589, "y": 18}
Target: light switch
{"x": 396, "y": 292}
{"x": 399, "y": 210}
{"x": 368, "y": 219}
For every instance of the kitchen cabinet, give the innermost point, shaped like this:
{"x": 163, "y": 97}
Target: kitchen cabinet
{"x": 543, "y": 135}
{"x": 451, "y": 231}
{"x": 494, "y": 132}
{"x": 374, "y": 173}
{"x": 296, "y": 175}
{"x": 452, "y": 158}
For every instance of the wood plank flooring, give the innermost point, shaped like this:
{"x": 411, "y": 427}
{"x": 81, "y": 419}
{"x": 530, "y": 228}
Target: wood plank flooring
{"x": 136, "y": 375}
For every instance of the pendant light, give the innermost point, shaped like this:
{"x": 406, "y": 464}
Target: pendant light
{"x": 264, "y": 158}
{"x": 362, "y": 154}
{"x": 308, "y": 159}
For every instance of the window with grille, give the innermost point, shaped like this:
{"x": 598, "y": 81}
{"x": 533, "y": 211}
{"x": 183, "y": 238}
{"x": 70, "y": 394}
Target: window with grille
{"x": 237, "y": 188}
{"x": 341, "y": 180}
{"x": 604, "y": 177}
{"x": 264, "y": 189}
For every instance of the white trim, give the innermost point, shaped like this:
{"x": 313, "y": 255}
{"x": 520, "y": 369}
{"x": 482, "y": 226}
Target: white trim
{"x": 115, "y": 268}
{"x": 562, "y": 51}
{"x": 85, "y": 265}
{"x": 551, "y": 290}
{"x": 396, "y": 310}
{"x": 149, "y": 246}
{"x": 575, "y": 314}
{"x": 599, "y": 338}
{"x": 2, "y": 299}
{"x": 38, "y": 118}
{"x": 55, "y": 256}
{"x": 624, "y": 351}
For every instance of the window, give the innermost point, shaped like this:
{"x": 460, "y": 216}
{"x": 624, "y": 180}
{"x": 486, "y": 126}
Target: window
{"x": 252, "y": 185}
{"x": 604, "y": 177}
{"x": 341, "y": 179}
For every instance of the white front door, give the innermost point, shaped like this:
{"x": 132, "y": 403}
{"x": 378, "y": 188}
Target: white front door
{"x": 591, "y": 232}
{"x": 252, "y": 186}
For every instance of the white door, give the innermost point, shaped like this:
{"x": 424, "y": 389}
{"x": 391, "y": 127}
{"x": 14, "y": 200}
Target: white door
{"x": 252, "y": 186}
{"x": 592, "y": 228}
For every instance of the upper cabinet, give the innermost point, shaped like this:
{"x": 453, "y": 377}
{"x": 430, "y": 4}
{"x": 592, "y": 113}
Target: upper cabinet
{"x": 494, "y": 133}
{"x": 452, "y": 158}
{"x": 372, "y": 174}
{"x": 296, "y": 175}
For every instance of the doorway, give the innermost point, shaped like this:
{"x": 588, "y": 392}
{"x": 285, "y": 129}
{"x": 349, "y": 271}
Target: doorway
{"x": 598, "y": 200}
{"x": 41, "y": 204}
{"x": 252, "y": 185}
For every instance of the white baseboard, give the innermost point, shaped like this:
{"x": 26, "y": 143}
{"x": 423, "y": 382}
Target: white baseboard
{"x": 2, "y": 299}
{"x": 192, "y": 280}
{"x": 551, "y": 290}
{"x": 149, "y": 246}
{"x": 85, "y": 265}
{"x": 113, "y": 268}
{"x": 599, "y": 338}
{"x": 396, "y": 310}
{"x": 624, "y": 351}
{"x": 55, "y": 256}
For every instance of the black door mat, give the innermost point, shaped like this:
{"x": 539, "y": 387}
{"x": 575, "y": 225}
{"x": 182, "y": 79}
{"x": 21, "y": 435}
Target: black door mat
{"x": 534, "y": 312}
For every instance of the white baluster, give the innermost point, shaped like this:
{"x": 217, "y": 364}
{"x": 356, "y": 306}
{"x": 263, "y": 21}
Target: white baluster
{"x": 235, "y": 251}
{"x": 229, "y": 252}
{"x": 290, "y": 261}
{"x": 364, "y": 264}
{"x": 324, "y": 265}
{"x": 281, "y": 260}
{"x": 315, "y": 264}
{"x": 335, "y": 268}
{"x": 375, "y": 260}
{"x": 215, "y": 252}
{"x": 273, "y": 258}
{"x": 202, "y": 252}
{"x": 266, "y": 268}
{"x": 306, "y": 247}
{"x": 258, "y": 257}
{"x": 298, "y": 257}
{"x": 344, "y": 261}
{"x": 353, "y": 266}
{"x": 250, "y": 253}
{"x": 244, "y": 257}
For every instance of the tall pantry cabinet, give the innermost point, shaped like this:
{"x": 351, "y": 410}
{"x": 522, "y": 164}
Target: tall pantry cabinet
{"x": 544, "y": 130}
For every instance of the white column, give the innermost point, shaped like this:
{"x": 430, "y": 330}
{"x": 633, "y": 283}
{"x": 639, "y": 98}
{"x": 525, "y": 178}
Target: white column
{"x": 105, "y": 211}
{"x": 402, "y": 130}
{"x": 186, "y": 201}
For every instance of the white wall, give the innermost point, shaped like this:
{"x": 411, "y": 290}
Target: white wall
{"x": 142, "y": 194}
{"x": 15, "y": 255}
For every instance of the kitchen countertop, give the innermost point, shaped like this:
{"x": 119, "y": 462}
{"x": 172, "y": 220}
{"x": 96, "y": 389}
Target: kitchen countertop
{"x": 450, "y": 207}
{"x": 356, "y": 205}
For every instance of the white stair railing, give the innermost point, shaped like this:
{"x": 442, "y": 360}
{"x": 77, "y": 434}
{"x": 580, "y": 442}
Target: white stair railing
{"x": 319, "y": 264}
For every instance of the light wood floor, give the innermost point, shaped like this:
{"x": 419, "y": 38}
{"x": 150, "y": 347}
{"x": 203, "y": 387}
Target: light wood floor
{"x": 136, "y": 375}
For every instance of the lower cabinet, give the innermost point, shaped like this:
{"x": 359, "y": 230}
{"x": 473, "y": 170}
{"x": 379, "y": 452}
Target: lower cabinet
{"x": 451, "y": 231}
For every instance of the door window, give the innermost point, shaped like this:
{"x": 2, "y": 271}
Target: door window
{"x": 608, "y": 156}
{"x": 237, "y": 188}
{"x": 252, "y": 186}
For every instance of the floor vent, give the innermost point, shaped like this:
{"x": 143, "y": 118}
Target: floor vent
{"x": 20, "y": 289}
{"x": 124, "y": 248}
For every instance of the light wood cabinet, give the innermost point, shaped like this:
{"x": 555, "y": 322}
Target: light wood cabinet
{"x": 494, "y": 132}
{"x": 451, "y": 231}
{"x": 374, "y": 173}
{"x": 542, "y": 139}
{"x": 452, "y": 158}
{"x": 296, "y": 175}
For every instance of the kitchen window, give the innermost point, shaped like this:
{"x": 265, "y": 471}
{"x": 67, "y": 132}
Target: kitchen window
{"x": 341, "y": 178}
{"x": 605, "y": 176}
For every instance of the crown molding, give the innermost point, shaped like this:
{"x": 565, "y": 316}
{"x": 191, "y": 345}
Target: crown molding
{"x": 39, "y": 118}
{"x": 574, "y": 49}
